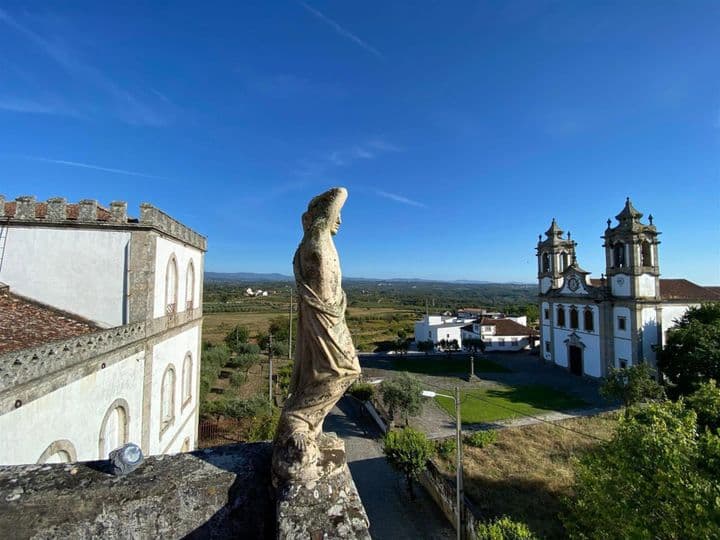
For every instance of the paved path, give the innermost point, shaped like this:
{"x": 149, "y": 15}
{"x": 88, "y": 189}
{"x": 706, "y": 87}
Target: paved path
{"x": 393, "y": 515}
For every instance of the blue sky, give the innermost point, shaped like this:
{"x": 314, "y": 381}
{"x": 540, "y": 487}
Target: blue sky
{"x": 460, "y": 128}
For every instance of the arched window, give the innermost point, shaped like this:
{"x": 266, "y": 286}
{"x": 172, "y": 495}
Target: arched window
{"x": 563, "y": 261}
{"x": 61, "y": 451}
{"x": 589, "y": 320}
{"x": 187, "y": 379}
{"x": 167, "y": 399}
{"x": 190, "y": 286}
{"x": 561, "y": 315}
{"x": 171, "y": 286}
{"x": 114, "y": 428}
{"x": 646, "y": 253}
{"x": 619, "y": 255}
{"x": 574, "y": 319}
{"x": 545, "y": 262}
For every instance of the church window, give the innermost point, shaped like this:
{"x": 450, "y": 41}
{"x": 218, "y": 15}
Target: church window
{"x": 187, "y": 379}
{"x": 171, "y": 286}
{"x": 589, "y": 320}
{"x": 547, "y": 314}
{"x": 60, "y": 451}
{"x": 561, "y": 315}
{"x": 619, "y": 255}
{"x": 622, "y": 323}
{"x": 563, "y": 261}
{"x": 546, "y": 262}
{"x": 114, "y": 428}
{"x": 167, "y": 399}
{"x": 547, "y": 346}
{"x": 646, "y": 253}
{"x": 190, "y": 286}
{"x": 574, "y": 319}
{"x": 623, "y": 363}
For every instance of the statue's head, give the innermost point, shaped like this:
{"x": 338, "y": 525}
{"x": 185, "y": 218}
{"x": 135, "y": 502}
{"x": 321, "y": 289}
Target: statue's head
{"x": 323, "y": 211}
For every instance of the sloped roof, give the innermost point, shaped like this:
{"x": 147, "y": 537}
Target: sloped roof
{"x": 508, "y": 327}
{"x": 25, "y": 323}
{"x": 682, "y": 289}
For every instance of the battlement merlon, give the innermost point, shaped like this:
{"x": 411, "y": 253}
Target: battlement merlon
{"x": 26, "y": 210}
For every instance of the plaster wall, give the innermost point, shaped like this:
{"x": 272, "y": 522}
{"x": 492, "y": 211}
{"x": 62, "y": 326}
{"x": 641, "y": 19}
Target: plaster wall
{"x": 74, "y": 412}
{"x": 646, "y": 285}
{"x": 545, "y": 284}
{"x": 620, "y": 285}
{"x": 51, "y": 265}
{"x": 649, "y": 333}
{"x": 164, "y": 249}
{"x": 172, "y": 351}
{"x": 591, "y": 351}
{"x": 623, "y": 351}
{"x": 494, "y": 344}
{"x": 447, "y": 332}
{"x": 669, "y": 314}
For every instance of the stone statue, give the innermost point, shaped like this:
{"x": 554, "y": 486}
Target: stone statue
{"x": 325, "y": 360}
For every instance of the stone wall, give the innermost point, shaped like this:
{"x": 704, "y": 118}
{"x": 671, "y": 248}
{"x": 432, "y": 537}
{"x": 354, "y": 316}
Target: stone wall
{"x": 223, "y": 492}
{"x": 87, "y": 213}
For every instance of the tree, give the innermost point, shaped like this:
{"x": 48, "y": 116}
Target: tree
{"x": 656, "y": 478}
{"x": 691, "y": 355}
{"x": 236, "y": 336}
{"x": 631, "y": 385}
{"x": 401, "y": 345}
{"x": 474, "y": 345}
{"x": 425, "y": 346}
{"x": 408, "y": 451}
{"x": 402, "y": 396}
{"x": 705, "y": 401}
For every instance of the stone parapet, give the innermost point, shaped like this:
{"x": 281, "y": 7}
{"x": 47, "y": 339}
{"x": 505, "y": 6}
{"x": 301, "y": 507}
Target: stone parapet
{"x": 223, "y": 492}
{"x": 26, "y": 210}
{"x": 20, "y": 367}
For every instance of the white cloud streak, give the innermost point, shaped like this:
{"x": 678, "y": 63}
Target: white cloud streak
{"x": 342, "y": 31}
{"x": 94, "y": 167}
{"x": 129, "y": 107}
{"x": 20, "y": 105}
{"x": 399, "y": 198}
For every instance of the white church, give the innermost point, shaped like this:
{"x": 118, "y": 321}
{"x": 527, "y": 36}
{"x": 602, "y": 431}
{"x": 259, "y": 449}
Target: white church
{"x": 100, "y": 330}
{"x": 589, "y": 325}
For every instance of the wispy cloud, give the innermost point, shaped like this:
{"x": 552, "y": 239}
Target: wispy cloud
{"x": 399, "y": 198}
{"x": 342, "y": 31}
{"x": 92, "y": 166}
{"x": 21, "y": 105}
{"x": 346, "y": 156}
{"x": 127, "y": 106}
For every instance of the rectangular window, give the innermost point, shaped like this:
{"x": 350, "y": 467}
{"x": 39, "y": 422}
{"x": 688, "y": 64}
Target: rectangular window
{"x": 547, "y": 346}
{"x": 622, "y": 323}
{"x": 623, "y": 363}
{"x": 502, "y": 342}
{"x": 514, "y": 342}
{"x": 547, "y": 314}
{"x": 561, "y": 316}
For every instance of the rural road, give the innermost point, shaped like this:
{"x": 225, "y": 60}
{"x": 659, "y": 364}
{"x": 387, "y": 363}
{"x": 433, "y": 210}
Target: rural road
{"x": 393, "y": 515}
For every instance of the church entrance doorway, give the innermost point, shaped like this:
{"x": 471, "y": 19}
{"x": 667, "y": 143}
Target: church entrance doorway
{"x": 575, "y": 354}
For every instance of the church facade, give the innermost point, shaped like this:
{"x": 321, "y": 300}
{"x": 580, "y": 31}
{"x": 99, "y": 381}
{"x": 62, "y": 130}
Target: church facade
{"x": 590, "y": 325}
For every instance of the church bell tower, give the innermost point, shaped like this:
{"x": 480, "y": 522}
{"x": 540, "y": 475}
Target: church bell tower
{"x": 631, "y": 255}
{"x": 554, "y": 254}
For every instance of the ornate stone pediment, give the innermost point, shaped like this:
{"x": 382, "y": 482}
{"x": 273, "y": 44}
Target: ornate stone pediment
{"x": 574, "y": 340}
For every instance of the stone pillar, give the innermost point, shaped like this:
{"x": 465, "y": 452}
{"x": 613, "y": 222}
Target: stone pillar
{"x": 56, "y": 209}
{"x": 88, "y": 210}
{"x": 25, "y": 207}
{"x": 118, "y": 212}
{"x": 2, "y": 206}
{"x": 146, "y": 213}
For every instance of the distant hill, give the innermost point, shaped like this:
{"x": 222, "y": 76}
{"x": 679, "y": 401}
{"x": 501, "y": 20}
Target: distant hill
{"x": 260, "y": 277}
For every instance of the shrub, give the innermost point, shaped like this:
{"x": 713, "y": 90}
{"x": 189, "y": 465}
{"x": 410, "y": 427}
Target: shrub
{"x": 503, "y": 528}
{"x": 263, "y": 426}
{"x": 481, "y": 439}
{"x": 631, "y": 385}
{"x": 446, "y": 448}
{"x": 247, "y": 348}
{"x": 244, "y": 361}
{"x": 408, "y": 451}
{"x": 237, "y": 336}
{"x": 362, "y": 391}
{"x": 238, "y": 378}
{"x": 705, "y": 401}
{"x": 402, "y": 395}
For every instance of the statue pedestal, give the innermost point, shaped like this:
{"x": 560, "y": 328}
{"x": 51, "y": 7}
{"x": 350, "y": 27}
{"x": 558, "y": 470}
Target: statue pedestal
{"x": 328, "y": 507}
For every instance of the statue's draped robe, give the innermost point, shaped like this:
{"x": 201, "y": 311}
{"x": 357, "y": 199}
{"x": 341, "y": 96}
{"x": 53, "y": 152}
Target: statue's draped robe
{"x": 325, "y": 359}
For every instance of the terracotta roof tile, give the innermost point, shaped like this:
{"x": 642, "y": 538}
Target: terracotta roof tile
{"x": 508, "y": 327}
{"x": 24, "y": 323}
{"x": 682, "y": 289}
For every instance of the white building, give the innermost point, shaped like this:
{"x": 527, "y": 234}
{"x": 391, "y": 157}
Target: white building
{"x": 436, "y": 328}
{"x": 501, "y": 334}
{"x": 589, "y": 325}
{"x": 100, "y": 330}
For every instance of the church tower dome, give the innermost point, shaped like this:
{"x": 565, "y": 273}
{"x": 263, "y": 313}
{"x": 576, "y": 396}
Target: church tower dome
{"x": 631, "y": 255}
{"x": 554, "y": 254}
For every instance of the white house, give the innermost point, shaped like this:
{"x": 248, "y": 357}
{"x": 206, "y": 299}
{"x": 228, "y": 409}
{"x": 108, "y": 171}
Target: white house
{"x": 589, "y": 325}
{"x": 436, "y": 328}
{"x": 501, "y": 334}
{"x": 100, "y": 330}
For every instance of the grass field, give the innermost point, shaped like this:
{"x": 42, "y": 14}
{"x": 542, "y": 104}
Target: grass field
{"x": 493, "y": 404}
{"x": 528, "y": 472}
{"x": 442, "y": 364}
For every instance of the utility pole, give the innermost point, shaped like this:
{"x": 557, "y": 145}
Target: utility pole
{"x": 290, "y": 328}
{"x": 270, "y": 375}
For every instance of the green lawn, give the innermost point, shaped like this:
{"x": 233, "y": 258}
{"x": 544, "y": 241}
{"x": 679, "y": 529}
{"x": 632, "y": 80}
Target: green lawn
{"x": 490, "y": 405}
{"x": 440, "y": 363}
